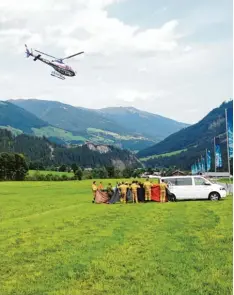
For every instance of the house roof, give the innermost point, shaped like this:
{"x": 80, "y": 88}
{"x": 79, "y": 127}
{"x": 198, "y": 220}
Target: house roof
{"x": 179, "y": 172}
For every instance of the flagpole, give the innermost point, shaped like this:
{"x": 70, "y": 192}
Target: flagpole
{"x": 201, "y": 165}
{"x": 206, "y": 161}
{"x": 215, "y": 154}
{"x": 229, "y": 170}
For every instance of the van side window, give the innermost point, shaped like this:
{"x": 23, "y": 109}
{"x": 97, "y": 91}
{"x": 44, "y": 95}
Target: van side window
{"x": 184, "y": 181}
{"x": 199, "y": 181}
{"x": 170, "y": 181}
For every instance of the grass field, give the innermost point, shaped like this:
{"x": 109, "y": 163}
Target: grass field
{"x": 54, "y": 241}
{"x": 225, "y": 180}
{"x": 163, "y": 155}
{"x": 50, "y": 131}
{"x": 32, "y": 172}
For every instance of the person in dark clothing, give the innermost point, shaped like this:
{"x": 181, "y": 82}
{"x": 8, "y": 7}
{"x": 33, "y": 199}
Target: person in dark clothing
{"x": 109, "y": 189}
{"x": 170, "y": 196}
{"x": 141, "y": 193}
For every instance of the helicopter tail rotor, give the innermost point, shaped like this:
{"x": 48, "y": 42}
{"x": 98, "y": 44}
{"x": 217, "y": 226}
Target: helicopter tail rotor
{"x": 28, "y": 53}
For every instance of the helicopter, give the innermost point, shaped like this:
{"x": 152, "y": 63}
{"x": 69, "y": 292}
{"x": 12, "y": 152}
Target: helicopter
{"x": 61, "y": 69}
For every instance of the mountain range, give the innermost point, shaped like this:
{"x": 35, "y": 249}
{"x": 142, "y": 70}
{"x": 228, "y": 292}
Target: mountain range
{"x": 127, "y": 128}
{"x": 186, "y": 146}
{"x": 65, "y": 126}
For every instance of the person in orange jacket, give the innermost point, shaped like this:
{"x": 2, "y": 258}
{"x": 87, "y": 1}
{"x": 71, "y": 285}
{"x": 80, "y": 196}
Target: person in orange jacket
{"x": 147, "y": 187}
{"x": 100, "y": 187}
{"x": 123, "y": 190}
{"x": 134, "y": 186}
{"x": 163, "y": 187}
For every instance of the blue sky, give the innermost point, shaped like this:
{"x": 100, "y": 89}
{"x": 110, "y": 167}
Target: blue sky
{"x": 173, "y": 58}
{"x": 157, "y": 12}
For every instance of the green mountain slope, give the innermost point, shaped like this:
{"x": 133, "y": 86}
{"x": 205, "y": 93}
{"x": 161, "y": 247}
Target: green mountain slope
{"x": 18, "y": 121}
{"x": 18, "y": 118}
{"x": 187, "y": 145}
{"x": 144, "y": 123}
{"x": 41, "y": 150}
{"x": 88, "y": 124}
{"x": 67, "y": 117}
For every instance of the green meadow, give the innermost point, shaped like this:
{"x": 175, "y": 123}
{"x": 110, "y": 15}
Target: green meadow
{"x": 163, "y": 155}
{"x": 55, "y": 241}
{"x": 225, "y": 180}
{"x": 32, "y": 172}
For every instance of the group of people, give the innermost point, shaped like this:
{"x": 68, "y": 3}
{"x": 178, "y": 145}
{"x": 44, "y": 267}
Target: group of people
{"x": 134, "y": 187}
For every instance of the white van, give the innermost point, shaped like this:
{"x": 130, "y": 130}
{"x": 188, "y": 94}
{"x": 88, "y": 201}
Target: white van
{"x": 194, "y": 187}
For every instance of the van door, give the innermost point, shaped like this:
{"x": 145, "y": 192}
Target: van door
{"x": 201, "y": 189}
{"x": 184, "y": 188}
{"x": 181, "y": 187}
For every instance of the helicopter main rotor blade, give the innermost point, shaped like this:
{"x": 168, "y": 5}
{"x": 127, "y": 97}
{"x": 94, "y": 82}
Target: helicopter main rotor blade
{"x": 72, "y": 55}
{"x": 46, "y": 54}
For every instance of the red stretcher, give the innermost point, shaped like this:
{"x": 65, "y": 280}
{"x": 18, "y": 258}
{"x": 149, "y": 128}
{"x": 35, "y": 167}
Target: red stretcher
{"x": 155, "y": 193}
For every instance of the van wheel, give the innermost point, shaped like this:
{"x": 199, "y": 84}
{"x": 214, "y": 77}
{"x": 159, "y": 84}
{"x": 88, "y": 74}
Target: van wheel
{"x": 214, "y": 196}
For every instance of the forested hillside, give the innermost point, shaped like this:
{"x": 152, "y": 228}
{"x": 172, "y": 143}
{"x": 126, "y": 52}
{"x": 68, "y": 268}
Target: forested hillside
{"x": 188, "y": 144}
{"x": 18, "y": 118}
{"x": 41, "y": 150}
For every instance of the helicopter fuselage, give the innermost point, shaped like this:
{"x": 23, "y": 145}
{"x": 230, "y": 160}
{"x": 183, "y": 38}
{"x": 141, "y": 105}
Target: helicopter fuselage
{"x": 63, "y": 69}
{"x": 59, "y": 67}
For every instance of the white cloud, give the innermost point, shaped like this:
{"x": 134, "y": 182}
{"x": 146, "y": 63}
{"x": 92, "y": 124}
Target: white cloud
{"x": 54, "y": 5}
{"x": 154, "y": 68}
{"x": 111, "y": 36}
{"x": 132, "y": 95}
{"x": 100, "y": 33}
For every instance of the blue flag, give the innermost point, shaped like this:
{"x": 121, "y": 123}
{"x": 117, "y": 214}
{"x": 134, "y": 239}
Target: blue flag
{"x": 192, "y": 169}
{"x": 196, "y": 168}
{"x": 199, "y": 166}
{"x": 218, "y": 155}
{"x": 208, "y": 160}
{"x": 230, "y": 131}
{"x": 203, "y": 164}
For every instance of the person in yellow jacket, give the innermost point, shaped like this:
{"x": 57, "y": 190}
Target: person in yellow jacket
{"x": 163, "y": 187}
{"x": 147, "y": 186}
{"x": 94, "y": 189}
{"x": 123, "y": 190}
{"x": 134, "y": 186}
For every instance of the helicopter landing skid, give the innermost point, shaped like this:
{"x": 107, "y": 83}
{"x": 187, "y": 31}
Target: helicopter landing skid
{"x": 57, "y": 75}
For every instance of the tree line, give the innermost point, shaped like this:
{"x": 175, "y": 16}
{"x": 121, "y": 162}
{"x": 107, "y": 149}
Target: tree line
{"x": 12, "y": 166}
{"x": 40, "y": 151}
{"x": 77, "y": 173}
